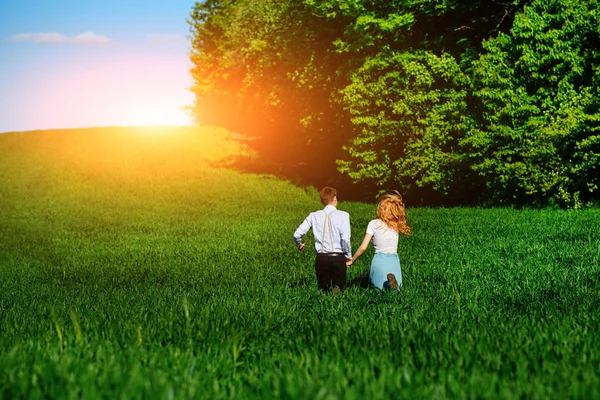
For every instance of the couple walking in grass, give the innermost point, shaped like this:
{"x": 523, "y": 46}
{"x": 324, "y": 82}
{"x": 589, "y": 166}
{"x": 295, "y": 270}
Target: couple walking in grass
{"x": 331, "y": 228}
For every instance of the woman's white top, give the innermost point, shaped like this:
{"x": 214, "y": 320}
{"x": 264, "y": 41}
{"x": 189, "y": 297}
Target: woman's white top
{"x": 385, "y": 239}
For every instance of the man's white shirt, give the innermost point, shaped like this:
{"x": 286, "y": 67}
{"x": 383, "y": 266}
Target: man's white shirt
{"x": 331, "y": 228}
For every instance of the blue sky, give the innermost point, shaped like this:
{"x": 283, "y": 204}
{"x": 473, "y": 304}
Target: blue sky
{"x": 67, "y": 64}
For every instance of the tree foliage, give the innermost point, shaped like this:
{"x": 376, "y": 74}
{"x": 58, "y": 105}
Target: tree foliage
{"x": 266, "y": 69}
{"x": 453, "y": 102}
{"x": 409, "y": 108}
{"x": 538, "y": 136}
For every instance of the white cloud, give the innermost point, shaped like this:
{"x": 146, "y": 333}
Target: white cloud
{"x": 39, "y": 38}
{"x": 84, "y": 39}
{"x": 90, "y": 38}
{"x": 163, "y": 39}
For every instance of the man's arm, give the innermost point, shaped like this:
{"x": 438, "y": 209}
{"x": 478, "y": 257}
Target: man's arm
{"x": 345, "y": 238}
{"x": 301, "y": 231}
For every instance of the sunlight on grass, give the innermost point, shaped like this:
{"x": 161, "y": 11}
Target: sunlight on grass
{"x": 122, "y": 153}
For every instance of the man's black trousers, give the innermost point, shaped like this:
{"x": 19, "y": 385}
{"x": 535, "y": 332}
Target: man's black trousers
{"x": 330, "y": 268}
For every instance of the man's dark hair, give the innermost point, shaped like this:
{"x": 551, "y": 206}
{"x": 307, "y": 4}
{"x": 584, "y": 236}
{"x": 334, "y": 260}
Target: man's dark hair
{"x": 327, "y": 194}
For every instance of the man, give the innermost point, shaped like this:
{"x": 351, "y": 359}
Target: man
{"x": 331, "y": 228}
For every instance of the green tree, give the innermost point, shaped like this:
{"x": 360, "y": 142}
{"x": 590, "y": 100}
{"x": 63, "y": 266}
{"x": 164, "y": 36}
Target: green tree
{"x": 411, "y": 109}
{"x": 265, "y": 69}
{"x": 288, "y": 71}
{"x": 538, "y": 134}
{"x": 410, "y": 97}
{"x": 485, "y": 101}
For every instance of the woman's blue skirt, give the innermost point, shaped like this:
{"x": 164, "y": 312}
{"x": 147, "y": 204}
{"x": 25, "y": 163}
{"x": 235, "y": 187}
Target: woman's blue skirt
{"x": 382, "y": 265}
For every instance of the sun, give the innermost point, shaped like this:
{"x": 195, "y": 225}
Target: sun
{"x": 159, "y": 114}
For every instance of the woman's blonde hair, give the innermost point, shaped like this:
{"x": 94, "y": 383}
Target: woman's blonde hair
{"x": 391, "y": 211}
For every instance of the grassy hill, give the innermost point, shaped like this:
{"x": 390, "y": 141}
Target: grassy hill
{"x": 135, "y": 264}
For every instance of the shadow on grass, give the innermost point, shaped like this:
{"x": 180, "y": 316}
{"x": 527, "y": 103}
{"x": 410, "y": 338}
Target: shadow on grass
{"x": 360, "y": 281}
{"x": 302, "y": 174}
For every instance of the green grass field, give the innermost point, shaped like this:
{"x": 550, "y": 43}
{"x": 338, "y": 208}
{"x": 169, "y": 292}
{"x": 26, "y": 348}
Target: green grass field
{"x": 133, "y": 265}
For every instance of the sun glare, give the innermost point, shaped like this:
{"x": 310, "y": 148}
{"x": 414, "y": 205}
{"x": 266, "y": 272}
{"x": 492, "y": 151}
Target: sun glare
{"x": 159, "y": 115}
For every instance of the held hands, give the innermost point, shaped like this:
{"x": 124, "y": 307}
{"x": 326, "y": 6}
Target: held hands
{"x": 301, "y": 247}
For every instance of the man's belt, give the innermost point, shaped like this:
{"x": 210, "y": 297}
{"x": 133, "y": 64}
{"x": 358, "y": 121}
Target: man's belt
{"x": 336, "y": 254}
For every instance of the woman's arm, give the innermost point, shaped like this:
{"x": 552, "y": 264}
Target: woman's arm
{"x": 361, "y": 249}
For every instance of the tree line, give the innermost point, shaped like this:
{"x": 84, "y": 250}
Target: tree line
{"x": 488, "y": 102}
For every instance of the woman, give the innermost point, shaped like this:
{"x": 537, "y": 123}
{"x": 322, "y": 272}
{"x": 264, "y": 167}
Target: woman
{"x": 391, "y": 221}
